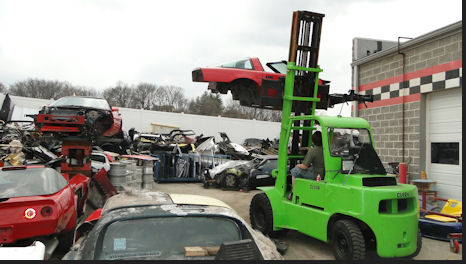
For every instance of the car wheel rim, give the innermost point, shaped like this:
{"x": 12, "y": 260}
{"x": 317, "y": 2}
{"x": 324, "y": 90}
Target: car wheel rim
{"x": 342, "y": 244}
{"x": 230, "y": 180}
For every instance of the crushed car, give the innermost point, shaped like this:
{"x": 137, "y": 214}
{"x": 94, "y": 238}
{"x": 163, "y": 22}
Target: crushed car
{"x": 91, "y": 117}
{"x": 159, "y": 226}
{"x": 40, "y": 203}
{"x": 243, "y": 174}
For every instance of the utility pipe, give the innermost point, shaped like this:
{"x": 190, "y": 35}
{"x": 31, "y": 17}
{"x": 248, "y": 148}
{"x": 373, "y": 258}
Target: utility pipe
{"x": 402, "y": 100}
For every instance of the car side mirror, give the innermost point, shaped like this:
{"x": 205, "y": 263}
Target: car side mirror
{"x": 114, "y": 109}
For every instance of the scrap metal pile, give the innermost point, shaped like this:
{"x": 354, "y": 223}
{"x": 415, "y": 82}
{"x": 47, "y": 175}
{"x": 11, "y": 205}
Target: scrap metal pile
{"x": 179, "y": 155}
{"x": 75, "y": 152}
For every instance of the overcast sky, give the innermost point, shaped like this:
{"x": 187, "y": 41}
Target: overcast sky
{"x": 95, "y": 43}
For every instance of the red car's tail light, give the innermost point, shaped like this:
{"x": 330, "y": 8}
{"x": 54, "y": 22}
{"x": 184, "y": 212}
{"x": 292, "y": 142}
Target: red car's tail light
{"x": 30, "y": 213}
{"x": 46, "y": 211}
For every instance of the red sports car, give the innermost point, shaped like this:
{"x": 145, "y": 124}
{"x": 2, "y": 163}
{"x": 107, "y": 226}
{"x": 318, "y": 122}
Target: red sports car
{"x": 251, "y": 84}
{"x": 37, "y": 203}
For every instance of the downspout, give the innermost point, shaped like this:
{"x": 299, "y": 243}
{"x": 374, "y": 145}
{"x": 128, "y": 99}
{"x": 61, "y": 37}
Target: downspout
{"x": 356, "y": 89}
{"x": 402, "y": 100}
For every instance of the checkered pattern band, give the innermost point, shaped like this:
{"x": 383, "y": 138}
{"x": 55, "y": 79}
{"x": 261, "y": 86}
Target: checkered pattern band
{"x": 424, "y": 84}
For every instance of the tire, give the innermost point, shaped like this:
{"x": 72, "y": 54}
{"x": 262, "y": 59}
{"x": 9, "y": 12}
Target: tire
{"x": 66, "y": 240}
{"x": 347, "y": 241}
{"x": 419, "y": 245}
{"x": 260, "y": 214}
{"x": 247, "y": 93}
{"x": 230, "y": 181}
{"x": 206, "y": 184}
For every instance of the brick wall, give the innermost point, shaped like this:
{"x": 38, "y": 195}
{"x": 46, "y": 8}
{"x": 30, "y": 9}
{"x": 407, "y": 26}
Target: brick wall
{"x": 386, "y": 127}
{"x": 383, "y": 77}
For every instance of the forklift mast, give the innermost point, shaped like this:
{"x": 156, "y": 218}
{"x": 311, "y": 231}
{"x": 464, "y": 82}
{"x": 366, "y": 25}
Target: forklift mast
{"x": 298, "y": 103}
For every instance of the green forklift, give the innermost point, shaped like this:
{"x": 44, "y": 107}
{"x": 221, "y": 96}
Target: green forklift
{"x": 355, "y": 206}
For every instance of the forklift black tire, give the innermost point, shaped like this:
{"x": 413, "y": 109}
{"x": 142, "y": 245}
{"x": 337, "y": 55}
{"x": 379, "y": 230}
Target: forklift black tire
{"x": 347, "y": 241}
{"x": 418, "y": 247}
{"x": 260, "y": 214}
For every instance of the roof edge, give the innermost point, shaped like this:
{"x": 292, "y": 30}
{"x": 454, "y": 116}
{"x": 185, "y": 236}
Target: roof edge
{"x": 450, "y": 29}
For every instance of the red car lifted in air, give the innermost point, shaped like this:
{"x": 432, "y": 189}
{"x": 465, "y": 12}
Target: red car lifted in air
{"x": 251, "y": 84}
{"x": 39, "y": 203}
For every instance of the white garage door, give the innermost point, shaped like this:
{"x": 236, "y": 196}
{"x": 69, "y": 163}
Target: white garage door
{"x": 444, "y": 144}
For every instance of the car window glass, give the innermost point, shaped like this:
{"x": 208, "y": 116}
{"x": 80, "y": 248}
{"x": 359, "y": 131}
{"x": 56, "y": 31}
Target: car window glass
{"x": 270, "y": 165}
{"x": 341, "y": 139}
{"x": 30, "y": 182}
{"x": 98, "y": 103}
{"x": 241, "y": 64}
{"x": 164, "y": 237}
{"x": 98, "y": 158}
{"x": 279, "y": 67}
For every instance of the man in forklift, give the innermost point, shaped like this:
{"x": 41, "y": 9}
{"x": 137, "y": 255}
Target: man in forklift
{"x": 313, "y": 163}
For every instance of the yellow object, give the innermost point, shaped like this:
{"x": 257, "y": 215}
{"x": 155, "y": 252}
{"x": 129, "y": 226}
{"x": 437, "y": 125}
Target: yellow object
{"x": 197, "y": 199}
{"x": 451, "y": 207}
{"x": 423, "y": 175}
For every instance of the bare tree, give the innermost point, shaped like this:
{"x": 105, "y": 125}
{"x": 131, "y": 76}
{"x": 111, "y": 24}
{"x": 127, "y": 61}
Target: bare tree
{"x": 174, "y": 96}
{"x": 120, "y": 95}
{"x": 143, "y": 96}
{"x": 46, "y": 89}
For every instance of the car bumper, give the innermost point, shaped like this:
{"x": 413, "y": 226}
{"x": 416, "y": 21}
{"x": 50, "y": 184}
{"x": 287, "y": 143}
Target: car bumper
{"x": 197, "y": 75}
{"x": 12, "y": 233}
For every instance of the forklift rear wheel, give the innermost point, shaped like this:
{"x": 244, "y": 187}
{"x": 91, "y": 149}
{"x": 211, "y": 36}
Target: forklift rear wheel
{"x": 260, "y": 213}
{"x": 419, "y": 245}
{"x": 347, "y": 241}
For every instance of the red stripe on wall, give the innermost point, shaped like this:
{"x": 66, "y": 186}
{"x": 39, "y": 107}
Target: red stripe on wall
{"x": 415, "y": 74}
{"x": 392, "y": 101}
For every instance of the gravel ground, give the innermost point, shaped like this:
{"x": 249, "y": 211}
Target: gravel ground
{"x": 300, "y": 246}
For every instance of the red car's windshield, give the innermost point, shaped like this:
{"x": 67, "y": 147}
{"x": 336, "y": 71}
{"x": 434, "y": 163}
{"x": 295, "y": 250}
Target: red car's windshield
{"x": 30, "y": 182}
{"x": 98, "y": 103}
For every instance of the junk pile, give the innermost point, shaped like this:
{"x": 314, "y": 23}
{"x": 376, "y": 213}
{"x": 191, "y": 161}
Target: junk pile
{"x": 177, "y": 156}
{"x": 184, "y": 157}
